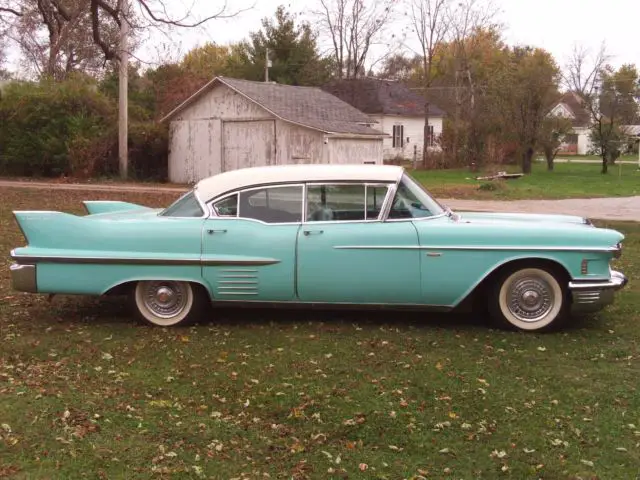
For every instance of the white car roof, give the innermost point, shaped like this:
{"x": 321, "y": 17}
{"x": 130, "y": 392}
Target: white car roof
{"x": 211, "y": 187}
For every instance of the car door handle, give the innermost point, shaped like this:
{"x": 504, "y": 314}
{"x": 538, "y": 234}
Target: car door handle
{"x": 313, "y": 232}
{"x": 211, "y": 232}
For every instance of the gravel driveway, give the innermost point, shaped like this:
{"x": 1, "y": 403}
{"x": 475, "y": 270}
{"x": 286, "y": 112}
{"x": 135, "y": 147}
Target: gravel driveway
{"x": 619, "y": 208}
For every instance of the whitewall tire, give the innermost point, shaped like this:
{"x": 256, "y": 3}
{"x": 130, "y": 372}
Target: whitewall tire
{"x": 528, "y": 299}
{"x": 166, "y": 303}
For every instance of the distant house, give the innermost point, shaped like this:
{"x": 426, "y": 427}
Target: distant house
{"x": 571, "y": 106}
{"x": 398, "y": 111}
{"x": 231, "y": 123}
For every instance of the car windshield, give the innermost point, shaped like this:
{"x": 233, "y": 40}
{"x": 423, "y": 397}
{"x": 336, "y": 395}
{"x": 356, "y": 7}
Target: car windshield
{"x": 186, "y": 206}
{"x": 413, "y": 201}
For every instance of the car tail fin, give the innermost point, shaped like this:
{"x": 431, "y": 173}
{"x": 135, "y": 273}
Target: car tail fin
{"x": 46, "y": 228}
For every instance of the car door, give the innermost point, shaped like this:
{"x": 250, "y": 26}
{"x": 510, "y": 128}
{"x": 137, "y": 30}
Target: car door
{"x": 347, "y": 255}
{"x": 249, "y": 244}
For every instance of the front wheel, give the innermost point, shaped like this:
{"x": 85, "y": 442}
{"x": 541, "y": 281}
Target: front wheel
{"x": 530, "y": 299}
{"x": 166, "y": 303}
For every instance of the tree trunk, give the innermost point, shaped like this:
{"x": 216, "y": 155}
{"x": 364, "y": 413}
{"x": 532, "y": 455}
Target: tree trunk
{"x": 604, "y": 163}
{"x": 549, "y": 155}
{"x": 527, "y": 155}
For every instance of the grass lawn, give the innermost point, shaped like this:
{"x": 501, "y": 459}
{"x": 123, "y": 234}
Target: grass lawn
{"x": 86, "y": 393}
{"x": 568, "y": 180}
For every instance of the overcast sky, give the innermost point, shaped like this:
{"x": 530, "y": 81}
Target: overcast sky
{"x": 556, "y": 25}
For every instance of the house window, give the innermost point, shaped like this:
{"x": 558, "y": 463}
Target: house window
{"x": 398, "y": 136}
{"x": 430, "y": 136}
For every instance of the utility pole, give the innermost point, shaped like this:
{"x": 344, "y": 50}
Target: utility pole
{"x": 123, "y": 84}
{"x": 267, "y": 64}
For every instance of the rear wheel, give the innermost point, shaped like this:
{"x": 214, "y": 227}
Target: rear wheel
{"x": 530, "y": 299}
{"x": 167, "y": 303}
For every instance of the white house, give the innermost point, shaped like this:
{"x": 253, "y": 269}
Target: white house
{"x": 571, "y": 106}
{"x": 231, "y": 123}
{"x": 398, "y": 111}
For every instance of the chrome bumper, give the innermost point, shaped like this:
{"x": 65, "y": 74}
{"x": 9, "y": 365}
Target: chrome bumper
{"x": 23, "y": 278}
{"x": 590, "y": 297}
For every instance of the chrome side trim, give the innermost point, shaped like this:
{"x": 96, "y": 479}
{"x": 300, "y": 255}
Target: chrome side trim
{"x": 26, "y": 259}
{"x": 330, "y": 305}
{"x": 23, "y": 278}
{"x": 510, "y": 248}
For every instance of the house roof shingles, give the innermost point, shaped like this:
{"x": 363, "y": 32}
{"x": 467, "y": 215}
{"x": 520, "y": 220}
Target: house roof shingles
{"x": 376, "y": 96}
{"x": 575, "y": 104}
{"x": 307, "y": 106}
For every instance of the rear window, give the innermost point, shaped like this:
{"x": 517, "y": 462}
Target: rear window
{"x": 185, "y": 206}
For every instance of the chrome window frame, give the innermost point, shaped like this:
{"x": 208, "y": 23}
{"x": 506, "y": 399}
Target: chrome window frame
{"x": 214, "y": 214}
{"x": 388, "y": 185}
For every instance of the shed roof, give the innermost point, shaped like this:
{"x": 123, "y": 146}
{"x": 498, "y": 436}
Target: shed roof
{"x": 211, "y": 187}
{"x": 306, "y": 106}
{"x": 378, "y": 96}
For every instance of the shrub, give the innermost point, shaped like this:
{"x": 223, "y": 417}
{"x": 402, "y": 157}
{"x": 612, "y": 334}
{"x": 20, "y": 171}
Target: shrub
{"x": 42, "y": 122}
{"x": 70, "y": 128}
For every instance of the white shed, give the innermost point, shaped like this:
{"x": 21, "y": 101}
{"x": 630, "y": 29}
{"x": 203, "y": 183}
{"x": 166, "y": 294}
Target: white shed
{"x": 231, "y": 123}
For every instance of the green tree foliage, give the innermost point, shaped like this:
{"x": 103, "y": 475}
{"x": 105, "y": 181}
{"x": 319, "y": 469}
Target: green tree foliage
{"x": 69, "y": 128}
{"x": 41, "y": 121}
{"x": 207, "y": 61}
{"x": 292, "y": 50}
{"x": 140, "y": 92}
{"x": 528, "y": 86}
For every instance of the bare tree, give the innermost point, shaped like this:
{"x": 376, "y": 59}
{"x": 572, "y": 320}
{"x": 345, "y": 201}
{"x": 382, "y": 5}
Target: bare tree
{"x": 584, "y": 76}
{"x": 106, "y": 16}
{"x": 353, "y": 27}
{"x": 431, "y": 23}
{"x": 53, "y": 46}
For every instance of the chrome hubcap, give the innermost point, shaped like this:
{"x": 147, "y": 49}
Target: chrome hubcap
{"x": 530, "y": 299}
{"x": 165, "y": 299}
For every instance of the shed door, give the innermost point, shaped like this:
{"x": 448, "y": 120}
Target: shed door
{"x": 248, "y": 144}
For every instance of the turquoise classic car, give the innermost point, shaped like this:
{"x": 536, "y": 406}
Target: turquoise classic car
{"x": 333, "y": 235}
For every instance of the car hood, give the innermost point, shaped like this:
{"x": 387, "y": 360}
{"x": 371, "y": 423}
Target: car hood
{"x": 501, "y": 218}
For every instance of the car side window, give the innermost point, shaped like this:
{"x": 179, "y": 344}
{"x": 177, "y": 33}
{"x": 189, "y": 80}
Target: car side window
{"x": 335, "y": 203}
{"x": 227, "y": 207}
{"x": 186, "y": 206}
{"x": 281, "y": 204}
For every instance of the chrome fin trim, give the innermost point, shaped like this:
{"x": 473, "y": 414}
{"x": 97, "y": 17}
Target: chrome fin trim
{"x": 510, "y": 248}
{"x": 30, "y": 259}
